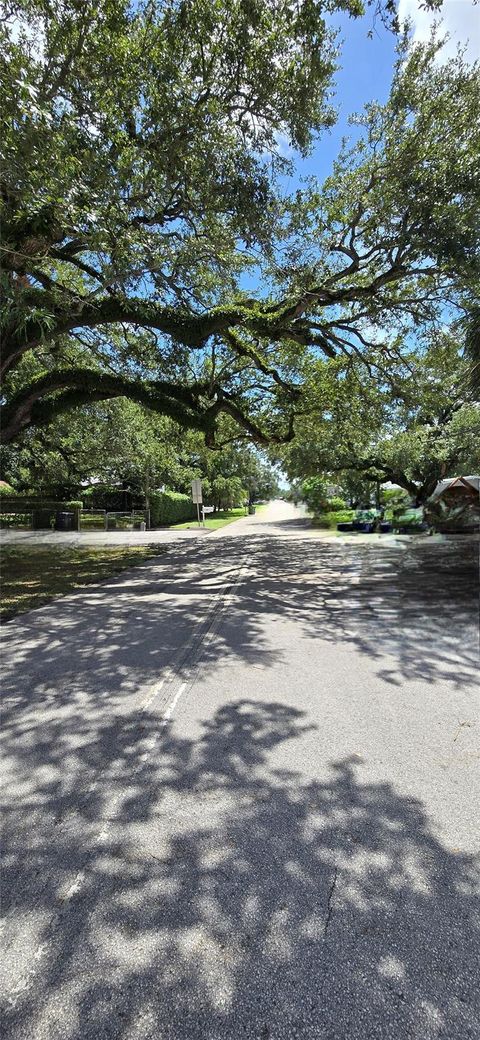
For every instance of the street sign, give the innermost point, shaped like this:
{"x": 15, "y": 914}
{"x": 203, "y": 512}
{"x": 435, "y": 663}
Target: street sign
{"x": 208, "y": 509}
{"x": 197, "y": 491}
{"x": 197, "y": 498}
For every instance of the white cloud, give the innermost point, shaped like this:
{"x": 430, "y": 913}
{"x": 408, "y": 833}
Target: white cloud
{"x": 459, "y": 18}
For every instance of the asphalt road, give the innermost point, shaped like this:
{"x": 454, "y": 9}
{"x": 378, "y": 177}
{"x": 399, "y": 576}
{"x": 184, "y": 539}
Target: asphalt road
{"x": 242, "y": 790}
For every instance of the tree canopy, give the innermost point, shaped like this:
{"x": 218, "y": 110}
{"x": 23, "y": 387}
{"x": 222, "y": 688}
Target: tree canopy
{"x": 142, "y": 178}
{"x": 101, "y": 447}
{"x": 412, "y": 431}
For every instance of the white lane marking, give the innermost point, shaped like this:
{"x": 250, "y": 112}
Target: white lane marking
{"x": 156, "y": 689}
{"x": 173, "y": 703}
{"x": 200, "y": 638}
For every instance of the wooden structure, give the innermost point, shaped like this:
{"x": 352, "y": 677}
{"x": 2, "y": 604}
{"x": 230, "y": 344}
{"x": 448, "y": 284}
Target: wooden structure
{"x": 455, "y": 505}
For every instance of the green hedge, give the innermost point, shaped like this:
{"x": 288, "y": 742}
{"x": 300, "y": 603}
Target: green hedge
{"x": 30, "y": 502}
{"x": 169, "y": 507}
{"x": 408, "y": 525}
{"x": 113, "y": 499}
{"x": 410, "y": 520}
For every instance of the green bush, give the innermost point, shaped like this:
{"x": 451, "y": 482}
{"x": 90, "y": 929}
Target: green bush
{"x": 8, "y": 520}
{"x": 6, "y": 489}
{"x": 394, "y": 498}
{"x": 170, "y": 507}
{"x": 111, "y": 498}
{"x": 329, "y": 520}
{"x": 410, "y": 520}
{"x": 334, "y": 504}
{"x": 365, "y": 516}
{"x": 408, "y": 525}
{"x": 314, "y": 494}
{"x": 30, "y": 501}
{"x": 126, "y": 523}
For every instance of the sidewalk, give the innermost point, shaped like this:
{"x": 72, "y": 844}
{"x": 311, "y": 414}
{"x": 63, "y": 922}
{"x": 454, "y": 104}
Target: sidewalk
{"x": 165, "y": 534}
{"x": 159, "y": 536}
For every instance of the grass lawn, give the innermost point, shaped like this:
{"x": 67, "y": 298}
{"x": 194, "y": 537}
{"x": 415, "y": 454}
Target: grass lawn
{"x": 213, "y": 520}
{"x": 33, "y": 575}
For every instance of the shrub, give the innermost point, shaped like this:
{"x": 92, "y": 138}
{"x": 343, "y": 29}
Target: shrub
{"x": 335, "y": 503}
{"x": 365, "y": 516}
{"x": 314, "y": 494}
{"x": 7, "y": 489}
{"x": 330, "y": 519}
{"x": 8, "y": 520}
{"x": 111, "y": 498}
{"x": 408, "y": 525}
{"x": 410, "y": 520}
{"x": 394, "y": 498}
{"x": 170, "y": 507}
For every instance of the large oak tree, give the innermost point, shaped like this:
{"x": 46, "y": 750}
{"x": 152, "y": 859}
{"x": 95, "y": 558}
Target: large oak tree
{"x": 142, "y": 178}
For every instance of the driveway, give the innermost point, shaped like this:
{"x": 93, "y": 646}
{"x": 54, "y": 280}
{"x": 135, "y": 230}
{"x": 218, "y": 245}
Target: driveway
{"x": 242, "y": 788}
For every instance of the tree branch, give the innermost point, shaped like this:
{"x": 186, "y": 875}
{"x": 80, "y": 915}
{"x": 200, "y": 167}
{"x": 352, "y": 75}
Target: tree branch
{"x": 189, "y": 406}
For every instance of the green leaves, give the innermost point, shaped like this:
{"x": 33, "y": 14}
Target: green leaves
{"x": 412, "y": 432}
{"x": 142, "y": 183}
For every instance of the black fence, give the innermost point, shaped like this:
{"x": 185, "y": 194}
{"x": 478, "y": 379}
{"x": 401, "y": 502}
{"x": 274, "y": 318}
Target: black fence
{"x": 22, "y": 513}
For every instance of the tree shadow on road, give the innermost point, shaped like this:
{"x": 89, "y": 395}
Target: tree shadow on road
{"x": 411, "y": 611}
{"x": 173, "y": 888}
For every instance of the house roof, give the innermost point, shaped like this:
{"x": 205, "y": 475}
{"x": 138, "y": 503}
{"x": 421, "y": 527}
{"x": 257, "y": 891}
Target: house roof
{"x": 472, "y": 483}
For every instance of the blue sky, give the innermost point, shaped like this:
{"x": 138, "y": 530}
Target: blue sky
{"x": 365, "y": 75}
{"x": 367, "y": 64}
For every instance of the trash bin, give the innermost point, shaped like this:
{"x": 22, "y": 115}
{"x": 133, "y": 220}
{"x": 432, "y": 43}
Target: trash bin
{"x": 63, "y": 521}
{"x": 143, "y": 526}
{"x": 251, "y": 510}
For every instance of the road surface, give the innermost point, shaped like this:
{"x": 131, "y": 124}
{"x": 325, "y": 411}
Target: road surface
{"x": 242, "y": 790}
